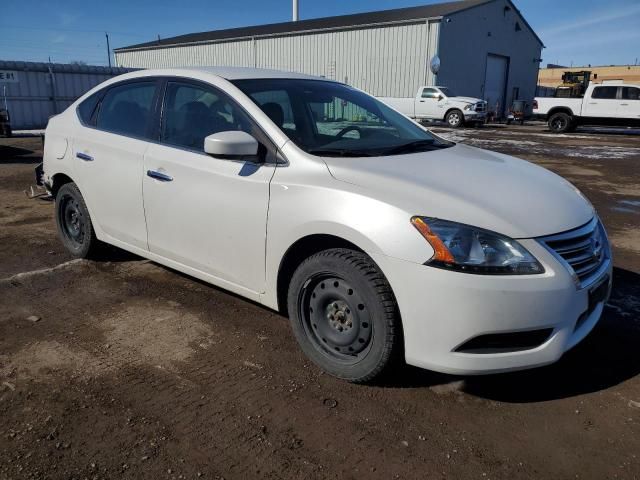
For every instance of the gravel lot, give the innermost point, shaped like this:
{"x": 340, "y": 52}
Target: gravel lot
{"x": 121, "y": 368}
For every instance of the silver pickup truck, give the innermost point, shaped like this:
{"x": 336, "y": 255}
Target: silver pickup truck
{"x": 440, "y": 103}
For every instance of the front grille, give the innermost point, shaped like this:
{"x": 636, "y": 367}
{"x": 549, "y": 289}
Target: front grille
{"x": 583, "y": 250}
{"x": 481, "y": 107}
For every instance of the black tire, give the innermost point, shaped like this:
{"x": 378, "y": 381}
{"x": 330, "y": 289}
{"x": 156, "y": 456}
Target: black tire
{"x": 454, "y": 118}
{"x": 344, "y": 315}
{"x": 560, "y": 122}
{"x": 74, "y": 223}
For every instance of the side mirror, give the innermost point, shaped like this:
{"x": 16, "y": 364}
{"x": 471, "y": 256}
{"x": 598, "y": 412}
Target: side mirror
{"x": 234, "y": 145}
{"x": 440, "y": 97}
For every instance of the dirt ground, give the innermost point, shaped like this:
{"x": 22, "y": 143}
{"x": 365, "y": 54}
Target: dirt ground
{"x": 121, "y": 368}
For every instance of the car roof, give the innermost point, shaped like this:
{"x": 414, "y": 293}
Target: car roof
{"x": 230, "y": 73}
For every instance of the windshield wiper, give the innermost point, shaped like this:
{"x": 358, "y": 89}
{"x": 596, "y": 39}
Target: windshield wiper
{"x": 339, "y": 152}
{"x": 416, "y": 146}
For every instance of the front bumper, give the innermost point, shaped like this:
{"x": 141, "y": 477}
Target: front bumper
{"x": 473, "y": 116}
{"x": 442, "y": 310}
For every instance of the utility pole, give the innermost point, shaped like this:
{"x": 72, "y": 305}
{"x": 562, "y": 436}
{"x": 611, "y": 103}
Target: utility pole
{"x": 108, "y": 49}
{"x": 295, "y": 10}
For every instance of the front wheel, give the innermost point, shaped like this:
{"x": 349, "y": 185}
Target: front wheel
{"x": 344, "y": 314}
{"x": 73, "y": 222}
{"x": 455, "y": 118}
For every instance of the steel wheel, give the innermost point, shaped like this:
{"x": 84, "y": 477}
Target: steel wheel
{"x": 344, "y": 315}
{"x": 72, "y": 221}
{"x": 335, "y": 318}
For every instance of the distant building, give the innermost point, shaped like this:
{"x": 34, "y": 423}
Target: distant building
{"x": 552, "y": 75}
{"x": 486, "y": 49}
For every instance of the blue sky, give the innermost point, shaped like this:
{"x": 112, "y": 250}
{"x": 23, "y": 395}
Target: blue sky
{"x": 577, "y": 32}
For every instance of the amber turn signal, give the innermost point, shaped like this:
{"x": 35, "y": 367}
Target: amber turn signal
{"x": 442, "y": 253}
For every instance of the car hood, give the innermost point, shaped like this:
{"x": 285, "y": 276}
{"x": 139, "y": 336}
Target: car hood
{"x": 471, "y": 186}
{"x": 466, "y": 99}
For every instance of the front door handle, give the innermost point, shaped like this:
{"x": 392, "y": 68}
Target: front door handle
{"x": 163, "y": 177}
{"x": 84, "y": 156}
{"x": 624, "y": 104}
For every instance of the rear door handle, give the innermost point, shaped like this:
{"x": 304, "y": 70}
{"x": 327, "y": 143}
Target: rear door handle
{"x": 163, "y": 177}
{"x": 624, "y": 104}
{"x": 84, "y": 156}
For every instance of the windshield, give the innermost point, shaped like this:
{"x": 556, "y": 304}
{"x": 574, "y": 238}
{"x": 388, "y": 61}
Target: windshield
{"x": 331, "y": 119}
{"x": 447, "y": 92}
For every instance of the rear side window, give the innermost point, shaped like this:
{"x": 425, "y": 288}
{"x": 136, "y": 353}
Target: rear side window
{"x": 630, "y": 93}
{"x": 127, "y": 109}
{"x": 605, "y": 92}
{"x": 87, "y": 107}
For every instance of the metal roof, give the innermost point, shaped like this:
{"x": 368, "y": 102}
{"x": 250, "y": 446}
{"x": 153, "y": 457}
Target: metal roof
{"x": 236, "y": 73}
{"x": 359, "y": 19}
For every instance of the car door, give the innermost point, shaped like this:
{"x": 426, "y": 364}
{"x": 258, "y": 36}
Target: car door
{"x": 207, "y": 213}
{"x": 108, "y": 150}
{"x": 603, "y": 102}
{"x": 429, "y": 104}
{"x": 629, "y": 106}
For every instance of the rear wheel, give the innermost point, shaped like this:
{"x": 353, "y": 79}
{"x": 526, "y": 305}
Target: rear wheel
{"x": 74, "y": 223}
{"x": 344, "y": 314}
{"x": 455, "y": 118}
{"x": 560, "y": 122}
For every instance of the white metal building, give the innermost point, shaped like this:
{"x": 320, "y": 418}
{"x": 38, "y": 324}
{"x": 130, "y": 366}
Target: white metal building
{"x": 486, "y": 49}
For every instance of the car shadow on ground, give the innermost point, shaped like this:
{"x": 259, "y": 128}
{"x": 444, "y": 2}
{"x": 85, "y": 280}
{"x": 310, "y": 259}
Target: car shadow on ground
{"x": 18, "y": 155}
{"x": 607, "y": 357}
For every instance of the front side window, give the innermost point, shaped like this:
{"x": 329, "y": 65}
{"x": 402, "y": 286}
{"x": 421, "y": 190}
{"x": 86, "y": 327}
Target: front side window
{"x": 127, "y": 109}
{"x": 430, "y": 93}
{"x": 607, "y": 93}
{"x": 630, "y": 93}
{"x": 332, "y": 119}
{"x": 192, "y": 112}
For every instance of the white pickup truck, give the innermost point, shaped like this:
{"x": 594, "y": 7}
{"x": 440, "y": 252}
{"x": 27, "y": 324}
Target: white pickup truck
{"x": 613, "y": 104}
{"x": 440, "y": 103}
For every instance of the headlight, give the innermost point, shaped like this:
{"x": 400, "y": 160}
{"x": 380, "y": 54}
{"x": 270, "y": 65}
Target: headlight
{"x": 473, "y": 250}
{"x": 469, "y": 106}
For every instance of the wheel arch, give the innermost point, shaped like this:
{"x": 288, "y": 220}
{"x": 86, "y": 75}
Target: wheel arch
{"x": 555, "y": 110}
{"x": 300, "y": 250}
{"x": 58, "y": 180}
{"x": 444, "y": 118}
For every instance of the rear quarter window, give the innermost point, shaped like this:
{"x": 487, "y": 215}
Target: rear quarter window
{"x": 87, "y": 107}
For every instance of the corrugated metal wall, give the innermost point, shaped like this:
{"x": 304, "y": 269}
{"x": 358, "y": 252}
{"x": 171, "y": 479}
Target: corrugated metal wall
{"x": 43, "y": 90}
{"x": 389, "y": 60}
{"x": 230, "y": 54}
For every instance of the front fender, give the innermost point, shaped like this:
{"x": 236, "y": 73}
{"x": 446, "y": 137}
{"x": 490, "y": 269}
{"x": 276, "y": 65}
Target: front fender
{"x": 339, "y": 209}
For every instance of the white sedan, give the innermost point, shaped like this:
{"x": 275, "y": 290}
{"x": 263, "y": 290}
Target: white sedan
{"x": 380, "y": 240}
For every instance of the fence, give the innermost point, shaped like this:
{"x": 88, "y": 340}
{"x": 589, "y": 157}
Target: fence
{"x": 33, "y": 92}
